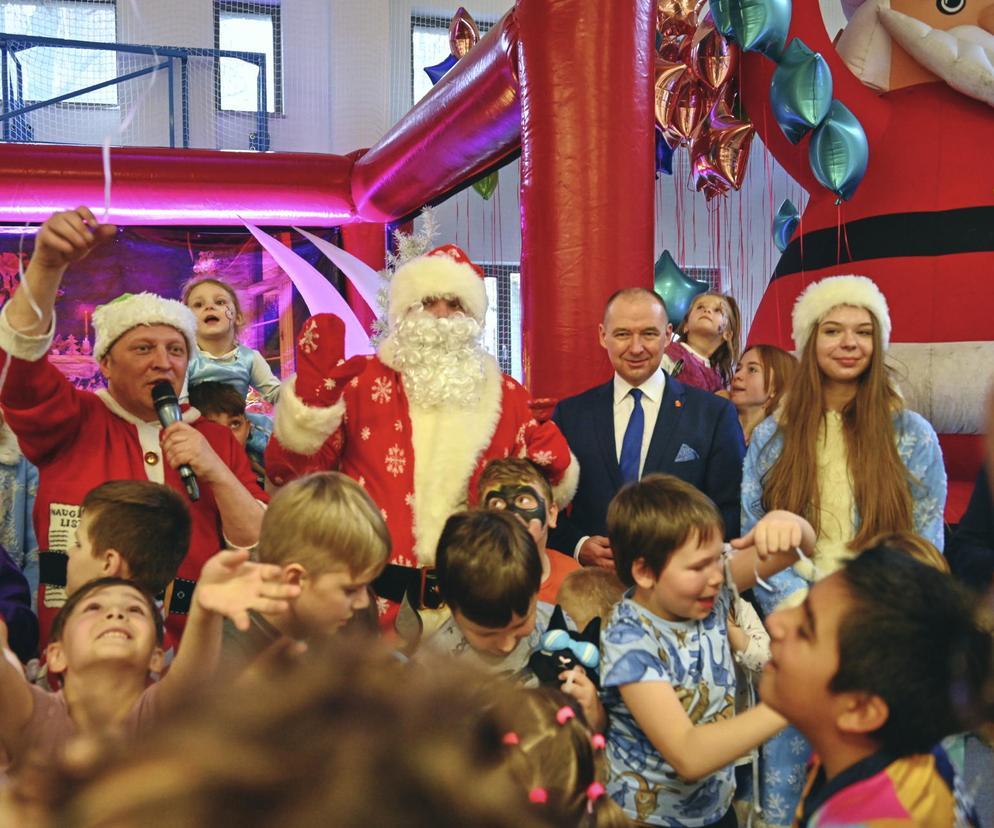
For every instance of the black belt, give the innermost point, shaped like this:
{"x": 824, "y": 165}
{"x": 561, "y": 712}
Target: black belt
{"x": 419, "y": 584}
{"x": 182, "y": 596}
{"x": 893, "y": 235}
{"x": 52, "y": 567}
{"x": 52, "y": 572}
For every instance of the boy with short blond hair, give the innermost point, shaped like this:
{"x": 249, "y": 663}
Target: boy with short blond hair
{"x": 667, "y": 675}
{"x": 105, "y": 642}
{"x": 329, "y": 539}
{"x": 517, "y": 485}
{"x": 133, "y": 529}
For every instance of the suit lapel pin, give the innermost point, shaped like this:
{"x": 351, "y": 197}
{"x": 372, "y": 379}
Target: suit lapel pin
{"x": 678, "y": 403}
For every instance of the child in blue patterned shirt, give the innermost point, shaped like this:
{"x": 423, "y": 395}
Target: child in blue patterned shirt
{"x": 667, "y": 675}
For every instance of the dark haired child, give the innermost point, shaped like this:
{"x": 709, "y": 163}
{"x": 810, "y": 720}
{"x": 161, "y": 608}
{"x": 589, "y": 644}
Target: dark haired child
{"x": 133, "y": 529}
{"x": 223, "y": 404}
{"x": 106, "y": 640}
{"x": 489, "y": 573}
{"x": 518, "y": 486}
{"x": 882, "y": 660}
{"x": 667, "y": 675}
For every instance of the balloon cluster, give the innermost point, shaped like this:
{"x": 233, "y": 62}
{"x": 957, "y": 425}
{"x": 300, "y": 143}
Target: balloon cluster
{"x": 696, "y": 99}
{"x": 801, "y": 91}
{"x": 464, "y": 34}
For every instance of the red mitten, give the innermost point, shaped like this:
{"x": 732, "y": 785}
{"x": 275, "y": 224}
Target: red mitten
{"x": 322, "y": 370}
{"x": 545, "y": 446}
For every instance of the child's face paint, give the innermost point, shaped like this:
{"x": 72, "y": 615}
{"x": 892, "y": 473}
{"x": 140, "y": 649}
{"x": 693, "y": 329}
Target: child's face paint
{"x": 522, "y": 500}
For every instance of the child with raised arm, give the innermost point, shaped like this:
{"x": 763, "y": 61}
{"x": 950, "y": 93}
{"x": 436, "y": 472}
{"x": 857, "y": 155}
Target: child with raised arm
{"x": 667, "y": 676}
{"x": 882, "y": 660}
{"x": 106, "y": 640}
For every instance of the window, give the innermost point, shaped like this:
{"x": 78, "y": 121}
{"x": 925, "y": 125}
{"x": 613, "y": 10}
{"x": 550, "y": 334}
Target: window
{"x": 430, "y": 46}
{"x": 502, "y": 326}
{"x": 248, "y": 27}
{"x": 44, "y": 72}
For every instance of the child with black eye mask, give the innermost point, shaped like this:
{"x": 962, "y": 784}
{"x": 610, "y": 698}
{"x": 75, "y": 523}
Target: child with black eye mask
{"x": 518, "y": 486}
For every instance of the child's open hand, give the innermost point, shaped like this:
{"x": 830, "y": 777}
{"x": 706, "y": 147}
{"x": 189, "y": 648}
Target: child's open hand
{"x": 778, "y": 531}
{"x": 577, "y": 684}
{"x": 231, "y": 585}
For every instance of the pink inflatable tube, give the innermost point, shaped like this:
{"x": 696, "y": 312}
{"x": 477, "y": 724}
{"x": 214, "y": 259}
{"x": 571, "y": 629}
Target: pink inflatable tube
{"x": 171, "y": 187}
{"x": 468, "y": 122}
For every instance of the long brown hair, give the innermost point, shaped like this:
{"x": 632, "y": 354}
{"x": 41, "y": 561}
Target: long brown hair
{"x": 880, "y": 479}
{"x": 779, "y": 367}
{"x": 726, "y": 355}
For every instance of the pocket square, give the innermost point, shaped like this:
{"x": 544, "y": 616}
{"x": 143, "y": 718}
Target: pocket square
{"x": 686, "y": 454}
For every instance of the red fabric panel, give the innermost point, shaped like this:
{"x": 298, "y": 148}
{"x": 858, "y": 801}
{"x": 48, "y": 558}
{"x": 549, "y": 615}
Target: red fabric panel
{"x": 587, "y": 183}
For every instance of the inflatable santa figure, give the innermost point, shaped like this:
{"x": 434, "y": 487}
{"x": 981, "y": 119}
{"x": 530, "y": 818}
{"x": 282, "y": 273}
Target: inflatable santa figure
{"x": 919, "y": 76}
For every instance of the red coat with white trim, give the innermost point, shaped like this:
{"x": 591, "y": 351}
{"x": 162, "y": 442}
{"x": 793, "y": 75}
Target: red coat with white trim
{"x": 419, "y": 465}
{"x": 79, "y": 440}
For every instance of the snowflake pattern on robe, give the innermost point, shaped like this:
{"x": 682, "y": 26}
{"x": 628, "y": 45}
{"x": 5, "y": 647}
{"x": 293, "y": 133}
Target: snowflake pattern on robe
{"x": 308, "y": 341}
{"x": 382, "y": 390}
{"x": 395, "y": 460}
{"x": 542, "y": 458}
{"x": 364, "y": 434}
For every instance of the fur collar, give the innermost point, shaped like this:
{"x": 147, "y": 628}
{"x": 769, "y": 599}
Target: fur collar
{"x": 10, "y": 452}
{"x": 447, "y": 446}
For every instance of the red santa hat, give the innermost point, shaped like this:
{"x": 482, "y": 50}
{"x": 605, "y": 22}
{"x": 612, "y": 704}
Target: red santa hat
{"x": 445, "y": 271}
{"x": 129, "y": 310}
{"x": 820, "y": 297}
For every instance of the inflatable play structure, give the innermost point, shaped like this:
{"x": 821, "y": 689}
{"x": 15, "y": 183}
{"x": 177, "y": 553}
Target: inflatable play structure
{"x": 544, "y": 82}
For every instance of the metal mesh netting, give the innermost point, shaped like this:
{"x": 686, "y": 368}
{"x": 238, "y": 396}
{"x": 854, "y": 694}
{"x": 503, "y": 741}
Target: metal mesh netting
{"x": 188, "y": 73}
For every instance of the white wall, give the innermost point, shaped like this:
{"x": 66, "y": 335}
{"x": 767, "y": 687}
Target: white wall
{"x": 346, "y": 81}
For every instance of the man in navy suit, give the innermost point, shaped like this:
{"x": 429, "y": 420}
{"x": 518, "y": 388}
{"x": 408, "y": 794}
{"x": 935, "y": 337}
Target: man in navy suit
{"x": 641, "y": 422}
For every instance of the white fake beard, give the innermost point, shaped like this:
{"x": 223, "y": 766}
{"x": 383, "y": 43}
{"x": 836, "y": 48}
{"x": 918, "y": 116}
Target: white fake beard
{"x": 963, "y": 57}
{"x": 441, "y": 359}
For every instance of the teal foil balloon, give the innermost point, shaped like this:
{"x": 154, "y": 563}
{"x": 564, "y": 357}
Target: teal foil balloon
{"x": 761, "y": 25}
{"x": 722, "y": 18}
{"x": 839, "y": 152}
{"x": 801, "y": 91}
{"x": 676, "y": 287}
{"x": 784, "y": 224}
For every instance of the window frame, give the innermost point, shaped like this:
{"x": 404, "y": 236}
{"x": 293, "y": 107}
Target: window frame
{"x": 275, "y": 13}
{"x": 77, "y": 4}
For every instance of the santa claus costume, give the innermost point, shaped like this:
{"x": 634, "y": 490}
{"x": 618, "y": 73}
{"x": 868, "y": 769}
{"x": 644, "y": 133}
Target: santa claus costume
{"x": 419, "y": 461}
{"x": 79, "y": 439}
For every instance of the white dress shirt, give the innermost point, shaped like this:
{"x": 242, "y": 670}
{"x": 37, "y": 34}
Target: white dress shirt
{"x": 624, "y": 403}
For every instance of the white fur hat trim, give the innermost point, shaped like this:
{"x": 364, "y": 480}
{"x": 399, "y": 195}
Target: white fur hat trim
{"x": 820, "y": 297}
{"x": 130, "y": 310}
{"x": 446, "y": 271}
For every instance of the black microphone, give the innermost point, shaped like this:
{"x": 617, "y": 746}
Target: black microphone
{"x": 167, "y": 407}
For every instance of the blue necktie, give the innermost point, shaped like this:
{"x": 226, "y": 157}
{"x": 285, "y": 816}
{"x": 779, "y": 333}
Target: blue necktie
{"x": 631, "y": 444}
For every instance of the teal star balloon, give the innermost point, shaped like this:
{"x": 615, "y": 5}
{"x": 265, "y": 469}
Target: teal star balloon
{"x": 676, "y": 287}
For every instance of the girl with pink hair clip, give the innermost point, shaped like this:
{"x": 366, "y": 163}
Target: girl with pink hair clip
{"x": 555, "y": 756}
